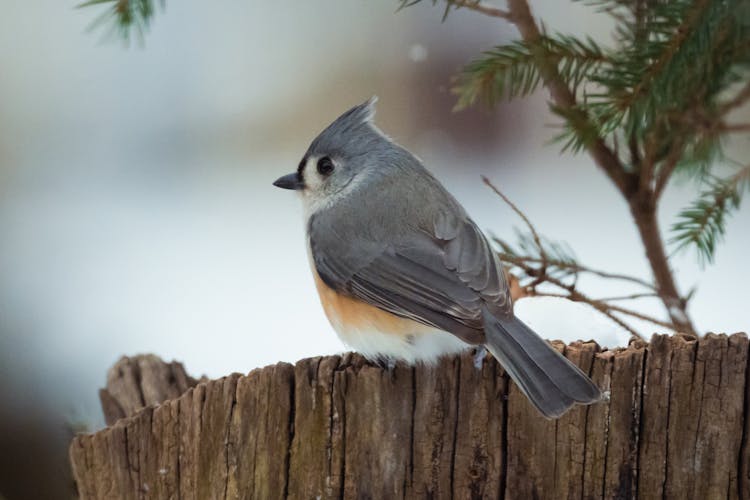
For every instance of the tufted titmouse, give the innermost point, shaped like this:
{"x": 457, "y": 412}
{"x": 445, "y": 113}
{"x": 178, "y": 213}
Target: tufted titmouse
{"x": 404, "y": 273}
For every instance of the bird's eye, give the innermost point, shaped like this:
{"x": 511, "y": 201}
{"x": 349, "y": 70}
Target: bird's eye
{"x": 325, "y": 166}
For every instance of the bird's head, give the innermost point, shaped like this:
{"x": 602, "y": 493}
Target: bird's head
{"x": 340, "y": 156}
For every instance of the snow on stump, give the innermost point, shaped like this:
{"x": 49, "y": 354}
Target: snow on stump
{"x": 674, "y": 426}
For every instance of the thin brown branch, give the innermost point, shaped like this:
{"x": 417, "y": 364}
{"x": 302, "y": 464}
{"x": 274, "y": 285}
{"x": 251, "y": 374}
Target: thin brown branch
{"x": 563, "y": 97}
{"x": 642, "y": 202}
{"x": 643, "y": 210}
{"x": 576, "y": 268}
{"x": 638, "y": 315}
{"x": 535, "y": 235}
{"x": 737, "y": 101}
{"x": 602, "y": 310}
{"x": 620, "y": 322}
{"x": 577, "y": 296}
{"x": 735, "y": 127}
{"x": 481, "y": 7}
{"x": 633, "y": 296}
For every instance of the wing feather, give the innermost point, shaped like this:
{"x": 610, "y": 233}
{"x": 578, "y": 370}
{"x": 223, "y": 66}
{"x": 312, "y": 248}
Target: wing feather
{"x": 441, "y": 276}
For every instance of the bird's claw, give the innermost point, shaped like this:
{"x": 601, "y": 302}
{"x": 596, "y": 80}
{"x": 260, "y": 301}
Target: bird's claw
{"x": 388, "y": 364}
{"x": 479, "y": 354}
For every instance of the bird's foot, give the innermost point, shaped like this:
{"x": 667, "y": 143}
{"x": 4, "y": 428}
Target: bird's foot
{"x": 386, "y": 363}
{"x": 479, "y": 354}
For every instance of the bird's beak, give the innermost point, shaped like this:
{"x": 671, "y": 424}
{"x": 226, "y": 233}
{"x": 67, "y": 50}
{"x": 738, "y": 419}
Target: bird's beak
{"x": 290, "y": 181}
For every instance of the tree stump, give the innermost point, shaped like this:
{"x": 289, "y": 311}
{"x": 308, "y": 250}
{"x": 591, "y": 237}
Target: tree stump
{"x": 675, "y": 425}
{"x": 140, "y": 381}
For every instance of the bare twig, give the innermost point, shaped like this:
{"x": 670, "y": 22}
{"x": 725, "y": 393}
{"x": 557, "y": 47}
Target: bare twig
{"x": 481, "y": 7}
{"x": 629, "y": 297}
{"x": 735, "y": 127}
{"x": 737, "y": 101}
{"x": 577, "y": 296}
{"x": 537, "y": 239}
{"x": 540, "y": 276}
{"x": 638, "y": 315}
{"x": 578, "y": 268}
{"x": 602, "y": 310}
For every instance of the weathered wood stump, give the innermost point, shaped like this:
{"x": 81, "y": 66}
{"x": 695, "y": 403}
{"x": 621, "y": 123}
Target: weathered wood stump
{"x": 675, "y": 426}
{"x": 140, "y": 381}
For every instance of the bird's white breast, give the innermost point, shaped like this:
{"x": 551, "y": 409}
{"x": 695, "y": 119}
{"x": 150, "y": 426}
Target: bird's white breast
{"x": 376, "y": 333}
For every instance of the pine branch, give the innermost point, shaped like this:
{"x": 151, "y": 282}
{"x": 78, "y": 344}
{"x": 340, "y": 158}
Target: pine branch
{"x": 685, "y": 19}
{"x": 660, "y": 92}
{"x": 510, "y": 70}
{"x": 565, "y": 102}
{"x": 660, "y": 83}
{"x": 125, "y": 16}
{"x": 703, "y": 224}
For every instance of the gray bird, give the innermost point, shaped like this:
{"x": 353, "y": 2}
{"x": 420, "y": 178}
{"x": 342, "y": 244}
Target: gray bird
{"x": 404, "y": 273}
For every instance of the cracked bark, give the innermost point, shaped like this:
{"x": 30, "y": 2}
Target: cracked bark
{"x": 675, "y": 426}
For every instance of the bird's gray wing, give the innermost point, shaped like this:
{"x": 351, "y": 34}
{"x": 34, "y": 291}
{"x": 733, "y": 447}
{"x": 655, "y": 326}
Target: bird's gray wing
{"x": 441, "y": 276}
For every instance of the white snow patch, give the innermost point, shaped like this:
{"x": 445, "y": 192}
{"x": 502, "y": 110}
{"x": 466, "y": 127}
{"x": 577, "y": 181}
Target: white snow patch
{"x": 562, "y": 319}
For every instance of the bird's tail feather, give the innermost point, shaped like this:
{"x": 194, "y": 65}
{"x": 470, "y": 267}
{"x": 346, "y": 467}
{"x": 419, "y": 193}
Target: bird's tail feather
{"x": 550, "y": 381}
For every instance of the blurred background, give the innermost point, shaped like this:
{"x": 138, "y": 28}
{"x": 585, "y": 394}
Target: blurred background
{"x": 137, "y": 212}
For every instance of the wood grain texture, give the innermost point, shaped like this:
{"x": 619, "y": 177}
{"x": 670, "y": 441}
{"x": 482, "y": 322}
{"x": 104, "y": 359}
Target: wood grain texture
{"x": 139, "y": 381}
{"x": 675, "y": 425}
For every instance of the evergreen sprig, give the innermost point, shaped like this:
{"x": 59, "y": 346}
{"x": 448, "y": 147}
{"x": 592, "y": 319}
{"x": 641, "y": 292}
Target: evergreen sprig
{"x": 658, "y": 96}
{"x": 702, "y": 225}
{"x": 673, "y": 61}
{"x": 510, "y": 70}
{"x": 660, "y": 84}
{"x": 125, "y": 17}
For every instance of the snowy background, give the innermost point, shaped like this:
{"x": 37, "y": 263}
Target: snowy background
{"x": 137, "y": 212}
